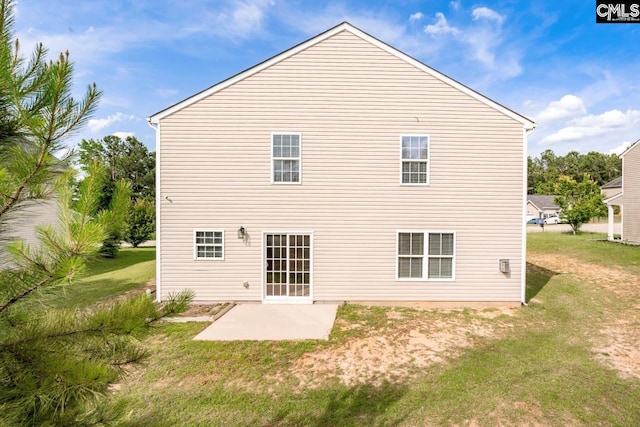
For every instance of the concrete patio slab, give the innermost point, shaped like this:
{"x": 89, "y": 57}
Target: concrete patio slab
{"x": 271, "y": 322}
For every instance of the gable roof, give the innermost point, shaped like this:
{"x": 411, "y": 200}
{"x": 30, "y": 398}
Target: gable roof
{"x": 542, "y": 202}
{"x": 616, "y": 183}
{"x": 631, "y": 147}
{"x": 345, "y": 26}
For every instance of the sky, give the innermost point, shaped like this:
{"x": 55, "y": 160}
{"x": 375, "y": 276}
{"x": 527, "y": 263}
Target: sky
{"x": 549, "y": 61}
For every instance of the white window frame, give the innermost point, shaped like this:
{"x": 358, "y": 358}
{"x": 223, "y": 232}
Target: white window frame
{"x": 427, "y": 160}
{"x": 426, "y": 257}
{"x": 196, "y": 244}
{"x": 298, "y": 159}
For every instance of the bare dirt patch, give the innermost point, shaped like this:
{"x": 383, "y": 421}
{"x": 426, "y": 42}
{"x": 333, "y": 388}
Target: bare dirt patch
{"x": 618, "y": 342}
{"x": 399, "y": 353}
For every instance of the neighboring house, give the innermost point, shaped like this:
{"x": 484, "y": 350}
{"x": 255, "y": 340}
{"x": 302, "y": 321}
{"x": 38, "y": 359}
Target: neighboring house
{"x": 628, "y": 199}
{"x": 24, "y": 222}
{"x": 612, "y": 188}
{"x": 341, "y": 170}
{"x": 541, "y": 206}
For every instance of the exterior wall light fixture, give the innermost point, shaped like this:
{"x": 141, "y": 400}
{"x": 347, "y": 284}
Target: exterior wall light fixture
{"x": 504, "y": 266}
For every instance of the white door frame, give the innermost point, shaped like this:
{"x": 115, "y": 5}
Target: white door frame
{"x": 266, "y": 299}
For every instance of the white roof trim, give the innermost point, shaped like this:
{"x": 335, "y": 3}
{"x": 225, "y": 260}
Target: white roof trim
{"x": 631, "y": 147}
{"x": 612, "y": 198}
{"x": 345, "y": 26}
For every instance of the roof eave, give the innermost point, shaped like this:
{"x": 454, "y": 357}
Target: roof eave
{"x": 631, "y": 147}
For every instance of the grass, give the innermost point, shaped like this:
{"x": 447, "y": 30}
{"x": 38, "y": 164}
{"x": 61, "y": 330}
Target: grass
{"x": 591, "y": 247}
{"x": 105, "y": 278}
{"x": 541, "y": 372}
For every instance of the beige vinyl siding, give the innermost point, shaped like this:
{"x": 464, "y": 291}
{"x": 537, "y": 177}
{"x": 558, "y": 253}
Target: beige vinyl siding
{"x": 33, "y": 214}
{"x": 610, "y": 192}
{"x": 631, "y": 191}
{"x": 350, "y": 101}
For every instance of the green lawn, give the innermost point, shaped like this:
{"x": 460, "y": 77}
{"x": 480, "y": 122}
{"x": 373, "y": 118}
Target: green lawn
{"x": 540, "y": 368}
{"x": 105, "y": 278}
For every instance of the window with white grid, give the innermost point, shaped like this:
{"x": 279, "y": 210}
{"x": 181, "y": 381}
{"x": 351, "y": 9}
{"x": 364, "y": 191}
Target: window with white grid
{"x": 415, "y": 159}
{"x": 286, "y": 158}
{"x": 208, "y": 244}
{"x": 426, "y": 255}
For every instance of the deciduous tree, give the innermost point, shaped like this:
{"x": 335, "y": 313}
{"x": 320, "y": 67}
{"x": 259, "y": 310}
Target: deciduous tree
{"x": 579, "y": 201}
{"x": 141, "y": 219}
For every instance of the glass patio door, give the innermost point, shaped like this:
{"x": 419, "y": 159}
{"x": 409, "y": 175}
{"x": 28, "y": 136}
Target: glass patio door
{"x": 288, "y": 266}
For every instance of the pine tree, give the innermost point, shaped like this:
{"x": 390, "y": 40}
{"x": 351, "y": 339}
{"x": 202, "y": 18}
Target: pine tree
{"x": 56, "y": 365}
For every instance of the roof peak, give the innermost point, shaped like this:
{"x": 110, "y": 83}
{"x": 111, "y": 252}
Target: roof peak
{"x": 527, "y": 123}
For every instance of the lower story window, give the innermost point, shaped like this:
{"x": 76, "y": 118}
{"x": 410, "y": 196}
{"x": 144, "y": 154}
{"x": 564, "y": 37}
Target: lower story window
{"x": 209, "y": 245}
{"x": 436, "y": 262}
{"x": 440, "y": 255}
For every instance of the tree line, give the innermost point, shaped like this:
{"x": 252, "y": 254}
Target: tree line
{"x": 545, "y": 171}
{"x": 575, "y": 180}
{"x": 126, "y": 160}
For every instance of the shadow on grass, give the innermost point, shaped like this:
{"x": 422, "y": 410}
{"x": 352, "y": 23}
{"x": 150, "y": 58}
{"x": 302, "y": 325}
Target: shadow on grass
{"x": 537, "y": 279}
{"x": 359, "y": 405}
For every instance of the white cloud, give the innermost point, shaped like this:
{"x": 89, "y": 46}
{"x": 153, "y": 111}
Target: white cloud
{"x": 620, "y": 148}
{"x": 568, "y": 106}
{"x": 488, "y": 14}
{"x": 96, "y": 125}
{"x": 248, "y": 16}
{"x": 416, "y": 17}
{"x": 484, "y": 40}
{"x": 123, "y": 135}
{"x": 441, "y": 26}
{"x": 237, "y": 21}
{"x": 455, "y": 5}
{"x": 609, "y": 122}
{"x": 609, "y": 119}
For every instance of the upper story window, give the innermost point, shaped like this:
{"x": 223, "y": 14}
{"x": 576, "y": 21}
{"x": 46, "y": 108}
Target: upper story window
{"x": 286, "y": 158}
{"x": 208, "y": 244}
{"x": 415, "y": 159}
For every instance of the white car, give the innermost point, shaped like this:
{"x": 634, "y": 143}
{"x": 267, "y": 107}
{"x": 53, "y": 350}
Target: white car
{"x": 553, "y": 219}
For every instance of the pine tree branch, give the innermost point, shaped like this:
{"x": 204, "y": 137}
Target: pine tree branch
{"x": 15, "y": 197}
{"x": 68, "y": 334}
{"x": 26, "y": 292}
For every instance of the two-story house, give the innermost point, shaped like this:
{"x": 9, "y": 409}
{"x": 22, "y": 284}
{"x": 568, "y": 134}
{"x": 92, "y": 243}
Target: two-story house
{"x": 341, "y": 170}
